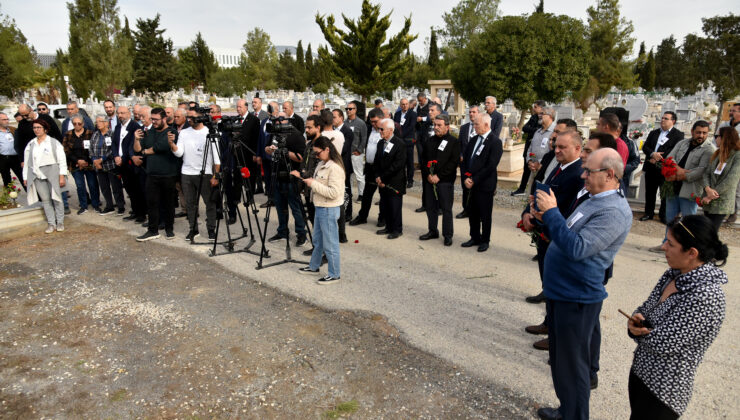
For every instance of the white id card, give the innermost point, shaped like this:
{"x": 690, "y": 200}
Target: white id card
{"x": 442, "y": 145}
{"x": 403, "y": 121}
{"x": 544, "y": 142}
{"x": 574, "y": 219}
{"x": 108, "y": 141}
{"x": 388, "y": 148}
{"x": 720, "y": 168}
{"x": 480, "y": 150}
{"x": 86, "y": 144}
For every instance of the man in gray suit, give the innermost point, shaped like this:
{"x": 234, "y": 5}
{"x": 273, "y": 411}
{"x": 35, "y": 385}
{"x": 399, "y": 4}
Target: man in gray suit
{"x": 257, "y": 109}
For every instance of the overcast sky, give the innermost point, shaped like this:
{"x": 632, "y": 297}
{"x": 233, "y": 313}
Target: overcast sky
{"x": 225, "y": 23}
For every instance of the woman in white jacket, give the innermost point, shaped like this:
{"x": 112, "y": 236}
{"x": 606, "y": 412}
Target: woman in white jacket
{"x": 327, "y": 194}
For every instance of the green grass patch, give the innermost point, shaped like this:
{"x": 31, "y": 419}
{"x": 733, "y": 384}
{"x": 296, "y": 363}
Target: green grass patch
{"x": 119, "y": 395}
{"x": 342, "y": 409}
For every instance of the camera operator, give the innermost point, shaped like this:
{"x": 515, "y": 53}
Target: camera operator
{"x": 161, "y": 167}
{"x": 265, "y": 159}
{"x": 190, "y": 146}
{"x": 286, "y": 158}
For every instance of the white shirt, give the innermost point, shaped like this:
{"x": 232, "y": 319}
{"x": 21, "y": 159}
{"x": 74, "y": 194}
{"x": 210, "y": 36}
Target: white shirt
{"x": 124, "y": 131}
{"x": 480, "y": 140}
{"x": 662, "y": 138}
{"x": 336, "y": 137}
{"x": 190, "y": 146}
{"x": 372, "y": 145}
{"x": 7, "y": 144}
{"x": 43, "y": 156}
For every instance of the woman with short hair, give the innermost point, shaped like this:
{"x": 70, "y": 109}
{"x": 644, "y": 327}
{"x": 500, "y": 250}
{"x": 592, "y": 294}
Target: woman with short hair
{"x": 44, "y": 174}
{"x": 77, "y": 148}
{"x": 678, "y": 322}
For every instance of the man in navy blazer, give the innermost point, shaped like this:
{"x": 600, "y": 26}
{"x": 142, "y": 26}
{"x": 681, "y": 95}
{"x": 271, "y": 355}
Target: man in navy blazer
{"x": 497, "y": 119}
{"x": 658, "y": 145}
{"x": 345, "y": 212}
{"x": 390, "y": 175}
{"x": 73, "y": 109}
{"x": 466, "y": 133}
{"x": 123, "y": 149}
{"x": 407, "y": 119}
{"x": 480, "y": 161}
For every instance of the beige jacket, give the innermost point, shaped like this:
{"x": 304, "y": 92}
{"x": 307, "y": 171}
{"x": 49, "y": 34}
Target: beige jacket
{"x": 327, "y": 190}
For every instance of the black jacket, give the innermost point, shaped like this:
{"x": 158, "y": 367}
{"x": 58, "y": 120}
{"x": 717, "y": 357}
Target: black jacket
{"x": 346, "y": 151}
{"x": 531, "y": 127}
{"x": 297, "y": 122}
{"x": 497, "y": 123}
{"x": 565, "y": 185}
{"x": 250, "y": 135}
{"x": 483, "y": 166}
{"x": 447, "y": 159}
{"x": 421, "y": 111}
{"x": 408, "y": 125}
{"x": 463, "y": 138}
{"x": 127, "y": 141}
{"x": 391, "y": 167}
{"x": 674, "y": 136}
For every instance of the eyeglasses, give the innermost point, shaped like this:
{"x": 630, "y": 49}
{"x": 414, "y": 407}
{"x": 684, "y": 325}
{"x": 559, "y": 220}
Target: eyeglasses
{"x": 38, "y": 127}
{"x": 349, "y": 109}
{"x": 76, "y": 123}
{"x": 590, "y": 171}
{"x": 156, "y": 119}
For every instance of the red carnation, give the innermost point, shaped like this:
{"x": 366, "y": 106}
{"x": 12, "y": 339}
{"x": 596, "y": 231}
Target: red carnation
{"x": 468, "y": 174}
{"x": 245, "y": 173}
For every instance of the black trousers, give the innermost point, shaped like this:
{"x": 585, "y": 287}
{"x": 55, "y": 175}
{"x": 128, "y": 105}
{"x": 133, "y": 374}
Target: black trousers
{"x": 645, "y": 405}
{"x": 109, "y": 182}
{"x": 367, "y": 194}
{"x": 132, "y": 185}
{"x": 8, "y": 162}
{"x": 570, "y": 327}
{"x": 409, "y": 159}
{"x": 716, "y": 220}
{"x": 465, "y": 191}
{"x": 445, "y": 194}
{"x": 480, "y": 215}
{"x": 653, "y": 182}
{"x": 525, "y": 171}
{"x": 390, "y": 207}
{"x": 160, "y": 198}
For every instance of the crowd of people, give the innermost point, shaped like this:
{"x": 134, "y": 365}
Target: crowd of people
{"x": 164, "y": 159}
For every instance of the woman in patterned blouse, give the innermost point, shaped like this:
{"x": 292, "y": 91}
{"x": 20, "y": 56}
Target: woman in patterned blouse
{"x": 684, "y": 313}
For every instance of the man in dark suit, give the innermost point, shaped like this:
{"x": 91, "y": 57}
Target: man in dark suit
{"x": 374, "y": 141}
{"x": 346, "y": 152}
{"x": 497, "y": 119}
{"x": 407, "y": 119}
{"x": 123, "y": 150}
{"x": 439, "y": 169}
{"x": 250, "y": 133}
{"x": 426, "y": 133}
{"x": 73, "y": 109}
{"x": 480, "y": 161}
{"x": 658, "y": 145}
{"x": 467, "y": 132}
{"x": 294, "y": 118}
{"x": 390, "y": 175}
{"x": 422, "y": 116}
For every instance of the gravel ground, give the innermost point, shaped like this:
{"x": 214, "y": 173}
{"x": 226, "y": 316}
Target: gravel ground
{"x": 468, "y": 308}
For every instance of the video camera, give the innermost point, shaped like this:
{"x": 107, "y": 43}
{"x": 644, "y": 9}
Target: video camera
{"x": 224, "y": 124}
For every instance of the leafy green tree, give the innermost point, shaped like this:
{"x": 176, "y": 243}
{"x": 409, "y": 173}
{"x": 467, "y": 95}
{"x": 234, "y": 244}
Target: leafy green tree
{"x": 466, "y": 19}
{"x": 227, "y": 81}
{"x": 59, "y": 83}
{"x": 18, "y": 57}
{"x": 611, "y": 42}
{"x": 197, "y": 62}
{"x": 98, "y": 61}
{"x": 669, "y": 65}
{"x": 259, "y": 66}
{"x": 418, "y": 74}
{"x": 524, "y": 58}
{"x": 153, "y": 60}
{"x": 287, "y": 69}
{"x": 362, "y": 59}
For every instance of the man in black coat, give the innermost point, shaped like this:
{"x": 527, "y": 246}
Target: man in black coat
{"x": 497, "y": 119}
{"x": 466, "y": 133}
{"x": 122, "y": 147}
{"x": 480, "y": 161}
{"x": 346, "y": 152}
{"x": 426, "y": 133}
{"x": 390, "y": 175}
{"x": 250, "y": 134}
{"x": 439, "y": 169}
{"x": 658, "y": 145}
{"x": 531, "y": 127}
{"x": 407, "y": 119}
{"x": 422, "y": 116}
{"x": 294, "y": 118}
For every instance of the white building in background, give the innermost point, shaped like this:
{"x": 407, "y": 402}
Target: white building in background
{"x": 226, "y": 57}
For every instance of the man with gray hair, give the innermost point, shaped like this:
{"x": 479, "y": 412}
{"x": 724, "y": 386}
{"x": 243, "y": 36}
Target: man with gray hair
{"x": 406, "y": 118}
{"x": 390, "y": 175}
{"x": 588, "y": 240}
{"x": 467, "y": 132}
{"x": 257, "y": 109}
{"x": 74, "y": 109}
{"x": 497, "y": 119}
{"x": 540, "y": 144}
{"x": 294, "y": 118}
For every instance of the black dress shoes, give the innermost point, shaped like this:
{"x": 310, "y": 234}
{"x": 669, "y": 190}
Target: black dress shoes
{"x": 343, "y": 239}
{"x": 357, "y": 221}
{"x": 463, "y": 214}
{"x": 382, "y": 232}
{"x": 483, "y": 247}
{"x": 429, "y": 235}
{"x": 381, "y": 223}
{"x": 394, "y": 235}
{"x": 536, "y": 329}
{"x": 232, "y": 220}
{"x": 646, "y": 217}
{"x": 448, "y": 241}
{"x": 539, "y": 298}
{"x": 469, "y": 243}
{"x": 549, "y": 413}
{"x": 421, "y": 209}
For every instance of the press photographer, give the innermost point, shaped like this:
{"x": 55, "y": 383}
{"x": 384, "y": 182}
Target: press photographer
{"x": 286, "y": 149}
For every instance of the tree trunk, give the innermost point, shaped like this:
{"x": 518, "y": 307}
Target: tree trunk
{"x": 719, "y": 114}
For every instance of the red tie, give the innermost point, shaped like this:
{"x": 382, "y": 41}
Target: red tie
{"x": 557, "y": 173}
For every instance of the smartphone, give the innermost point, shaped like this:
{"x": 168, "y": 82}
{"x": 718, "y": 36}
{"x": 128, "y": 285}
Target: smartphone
{"x": 644, "y": 323}
{"x": 540, "y": 187}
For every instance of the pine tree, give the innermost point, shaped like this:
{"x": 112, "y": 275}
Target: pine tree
{"x": 540, "y": 7}
{"x": 259, "y": 66}
{"x": 433, "y": 60}
{"x": 197, "y": 63}
{"x": 153, "y": 60}
{"x": 647, "y": 75}
{"x": 18, "y": 56}
{"x": 361, "y": 58}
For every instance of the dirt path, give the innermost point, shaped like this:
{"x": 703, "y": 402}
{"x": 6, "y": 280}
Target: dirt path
{"x": 153, "y": 331}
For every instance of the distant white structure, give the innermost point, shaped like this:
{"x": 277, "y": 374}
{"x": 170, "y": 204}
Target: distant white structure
{"x": 226, "y": 57}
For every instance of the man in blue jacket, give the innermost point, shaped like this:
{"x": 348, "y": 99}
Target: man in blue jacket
{"x": 581, "y": 248}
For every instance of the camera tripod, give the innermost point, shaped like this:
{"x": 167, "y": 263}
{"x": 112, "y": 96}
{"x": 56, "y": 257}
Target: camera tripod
{"x": 281, "y": 156}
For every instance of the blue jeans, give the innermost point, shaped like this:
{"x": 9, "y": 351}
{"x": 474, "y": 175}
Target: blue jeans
{"x": 677, "y": 205}
{"x": 92, "y": 185}
{"x": 285, "y": 195}
{"x": 326, "y": 239}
